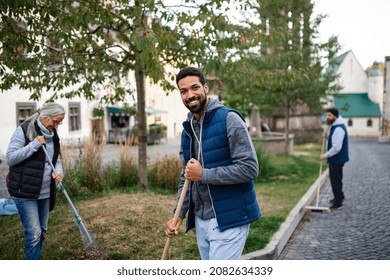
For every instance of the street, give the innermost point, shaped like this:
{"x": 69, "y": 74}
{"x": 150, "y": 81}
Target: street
{"x": 360, "y": 230}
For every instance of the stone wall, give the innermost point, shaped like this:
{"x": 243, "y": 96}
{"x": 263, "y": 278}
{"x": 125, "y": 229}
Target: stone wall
{"x": 274, "y": 143}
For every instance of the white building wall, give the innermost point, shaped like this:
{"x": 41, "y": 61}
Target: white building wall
{"x": 353, "y": 78}
{"x": 359, "y": 127}
{"x": 8, "y": 116}
{"x": 175, "y": 114}
{"x": 375, "y": 90}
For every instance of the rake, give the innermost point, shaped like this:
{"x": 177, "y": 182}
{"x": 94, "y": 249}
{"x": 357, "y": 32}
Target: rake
{"x": 175, "y": 218}
{"x": 87, "y": 238}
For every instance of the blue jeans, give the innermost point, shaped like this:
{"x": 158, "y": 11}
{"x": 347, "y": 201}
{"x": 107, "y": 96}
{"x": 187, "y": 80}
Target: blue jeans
{"x": 214, "y": 244}
{"x": 34, "y": 215}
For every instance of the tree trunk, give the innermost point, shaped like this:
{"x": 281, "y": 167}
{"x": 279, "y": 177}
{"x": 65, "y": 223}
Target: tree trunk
{"x": 287, "y": 127}
{"x": 142, "y": 132}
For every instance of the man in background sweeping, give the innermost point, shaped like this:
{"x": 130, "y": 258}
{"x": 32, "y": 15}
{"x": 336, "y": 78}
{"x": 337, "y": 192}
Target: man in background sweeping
{"x": 337, "y": 155}
{"x": 219, "y": 160}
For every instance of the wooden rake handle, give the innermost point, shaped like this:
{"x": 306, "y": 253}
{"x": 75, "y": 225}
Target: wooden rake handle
{"x": 322, "y": 151}
{"x": 175, "y": 217}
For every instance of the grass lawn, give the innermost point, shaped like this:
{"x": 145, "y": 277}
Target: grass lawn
{"x": 130, "y": 224}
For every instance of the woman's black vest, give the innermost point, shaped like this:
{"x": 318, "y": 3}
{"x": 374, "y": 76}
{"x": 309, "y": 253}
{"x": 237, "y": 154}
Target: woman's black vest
{"x": 25, "y": 178}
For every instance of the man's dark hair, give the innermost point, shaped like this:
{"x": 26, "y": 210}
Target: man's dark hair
{"x": 190, "y": 71}
{"x": 333, "y": 111}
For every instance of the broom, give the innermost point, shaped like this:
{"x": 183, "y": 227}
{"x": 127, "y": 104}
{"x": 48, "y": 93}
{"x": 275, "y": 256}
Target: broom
{"x": 317, "y": 208}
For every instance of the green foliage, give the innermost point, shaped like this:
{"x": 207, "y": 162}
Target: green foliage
{"x": 282, "y": 166}
{"x": 275, "y": 166}
{"x": 261, "y": 233}
{"x": 265, "y": 167}
{"x": 134, "y": 130}
{"x": 94, "y": 44}
{"x": 285, "y": 63}
{"x": 91, "y": 167}
{"x": 166, "y": 173}
{"x": 73, "y": 181}
{"x": 122, "y": 177}
{"x": 157, "y": 128}
{"x": 128, "y": 171}
{"x": 87, "y": 175}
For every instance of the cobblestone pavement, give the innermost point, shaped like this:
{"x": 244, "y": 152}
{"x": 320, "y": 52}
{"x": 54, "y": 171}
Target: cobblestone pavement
{"x": 360, "y": 230}
{"x": 110, "y": 154}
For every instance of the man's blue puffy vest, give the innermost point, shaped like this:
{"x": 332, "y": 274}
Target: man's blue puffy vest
{"x": 343, "y": 156}
{"x": 234, "y": 205}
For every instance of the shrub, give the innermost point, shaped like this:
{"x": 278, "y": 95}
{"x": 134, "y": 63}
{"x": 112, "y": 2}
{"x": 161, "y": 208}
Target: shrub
{"x": 265, "y": 167}
{"x": 88, "y": 175}
{"x": 165, "y": 173}
{"x": 157, "y": 128}
{"x": 72, "y": 174}
{"x": 91, "y": 166}
{"x": 128, "y": 171}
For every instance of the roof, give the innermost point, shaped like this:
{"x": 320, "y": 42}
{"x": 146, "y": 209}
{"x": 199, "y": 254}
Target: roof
{"x": 152, "y": 111}
{"x": 375, "y": 71}
{"x": 356, "y": 105}
{"x": 339, "y": 60}
{"x": 341, "y": 57}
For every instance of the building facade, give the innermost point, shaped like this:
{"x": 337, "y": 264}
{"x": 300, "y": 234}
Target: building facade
{"x": 15, "y": 107}
{"x": 115, "y": 125}
{"x": 385, "y": 128}
{"x": 361, "y": 97}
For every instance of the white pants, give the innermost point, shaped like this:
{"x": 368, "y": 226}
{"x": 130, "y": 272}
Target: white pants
{"x": 216, "y": 245}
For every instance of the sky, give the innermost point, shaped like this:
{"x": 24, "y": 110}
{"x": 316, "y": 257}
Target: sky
{"x": 361, "y": 26}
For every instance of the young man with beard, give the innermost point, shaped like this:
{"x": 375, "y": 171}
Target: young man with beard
{"x": 219, "y": 160}
{"x": 337, "y": 155}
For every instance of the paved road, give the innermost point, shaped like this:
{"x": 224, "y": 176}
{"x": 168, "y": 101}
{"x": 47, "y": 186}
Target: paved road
{"x": 154, "y": 152}
{"x": 359, "y": 231}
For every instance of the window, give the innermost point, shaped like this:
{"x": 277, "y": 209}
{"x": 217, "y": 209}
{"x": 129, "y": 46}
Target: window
{"x": 74, "y": 116}
{"x": 350, "y": 122}
{"x": 24, "y": 110}
{"x": 369, "y": 123}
